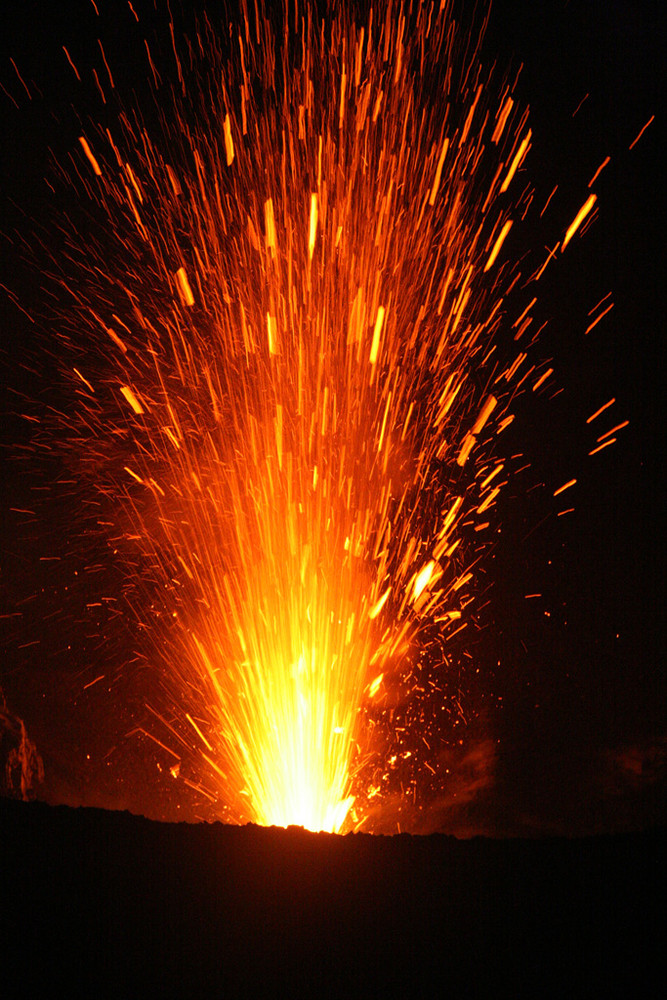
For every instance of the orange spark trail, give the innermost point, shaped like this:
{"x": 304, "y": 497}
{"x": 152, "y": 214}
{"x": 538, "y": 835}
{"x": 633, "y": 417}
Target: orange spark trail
{"x": 497, "y": 245}
{"x": 601, "y": 410}
{"x": 579, "y": 218}
{"x": 566, "y": 486}
{"x": 297, "y": 382}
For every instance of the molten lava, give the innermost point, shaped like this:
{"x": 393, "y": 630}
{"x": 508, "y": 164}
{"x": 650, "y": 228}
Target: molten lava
{"x": 294, "y": 345}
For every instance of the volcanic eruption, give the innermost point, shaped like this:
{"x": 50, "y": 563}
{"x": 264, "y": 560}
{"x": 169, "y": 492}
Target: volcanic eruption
{"x": 292, "y": 336}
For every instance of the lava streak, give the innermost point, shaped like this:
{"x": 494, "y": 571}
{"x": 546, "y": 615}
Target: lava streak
{"x": 291, "y": 370}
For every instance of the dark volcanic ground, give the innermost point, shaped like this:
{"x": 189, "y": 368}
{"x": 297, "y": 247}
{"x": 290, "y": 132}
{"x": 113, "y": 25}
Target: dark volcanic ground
{"x": 109, "y": 904}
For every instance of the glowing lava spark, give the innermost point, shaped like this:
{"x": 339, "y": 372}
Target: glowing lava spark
{"x": 291, "y": 375}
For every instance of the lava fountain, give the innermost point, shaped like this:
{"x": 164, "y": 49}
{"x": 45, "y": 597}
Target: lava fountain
{"x": 294, "y": 336}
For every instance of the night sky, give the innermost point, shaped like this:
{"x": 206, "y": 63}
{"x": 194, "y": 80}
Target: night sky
{"x": 567, "y": 727}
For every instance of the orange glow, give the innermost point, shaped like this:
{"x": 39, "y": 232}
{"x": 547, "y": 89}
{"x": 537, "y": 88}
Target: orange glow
{"x": 301, "y": 309}
{"x": 374, "y": 686}
{"x": 423, "y": 578}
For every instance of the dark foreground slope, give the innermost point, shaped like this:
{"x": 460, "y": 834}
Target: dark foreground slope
{"x": 110, "y": 904}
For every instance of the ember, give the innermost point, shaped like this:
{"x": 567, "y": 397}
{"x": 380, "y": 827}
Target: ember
{"x": 294, "y": 337}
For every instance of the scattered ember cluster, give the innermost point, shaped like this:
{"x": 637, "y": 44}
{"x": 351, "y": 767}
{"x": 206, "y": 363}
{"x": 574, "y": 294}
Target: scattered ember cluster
{"x": 294, "y": 336}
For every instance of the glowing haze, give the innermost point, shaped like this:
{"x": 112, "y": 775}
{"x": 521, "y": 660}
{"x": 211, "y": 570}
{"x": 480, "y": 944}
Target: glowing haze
{"x": 293, "y": 352}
